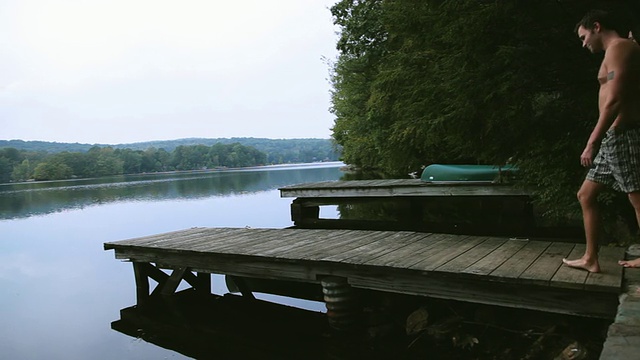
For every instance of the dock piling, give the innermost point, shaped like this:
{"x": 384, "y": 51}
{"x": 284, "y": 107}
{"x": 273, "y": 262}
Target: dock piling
{"x": 342, "y": 308}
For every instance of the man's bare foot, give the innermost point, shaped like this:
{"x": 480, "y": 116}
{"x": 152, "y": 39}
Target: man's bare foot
{"x": 590, "y": 266}
{"x": 630, "y": 263}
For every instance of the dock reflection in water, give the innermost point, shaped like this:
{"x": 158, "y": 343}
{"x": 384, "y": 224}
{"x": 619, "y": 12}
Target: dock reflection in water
{"x": 227, "y": 327}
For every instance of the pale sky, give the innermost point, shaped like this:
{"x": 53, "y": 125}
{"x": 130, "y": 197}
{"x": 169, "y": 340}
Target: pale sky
{"x": 122, "y": 71}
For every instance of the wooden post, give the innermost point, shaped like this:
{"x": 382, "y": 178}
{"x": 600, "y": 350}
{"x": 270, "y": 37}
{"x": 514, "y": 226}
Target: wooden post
{"x": 302, "y": 213}
{"x": 204, "y": 283}
{"x": 142, "y": 282}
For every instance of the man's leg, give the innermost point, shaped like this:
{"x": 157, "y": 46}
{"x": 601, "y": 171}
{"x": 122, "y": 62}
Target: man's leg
{"x": 588, "y": 195}
{"x": 634, "y": 199}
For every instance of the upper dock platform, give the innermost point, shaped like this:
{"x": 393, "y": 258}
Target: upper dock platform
{"x": 398, "y": 188}
{"x": 413, "y": 204}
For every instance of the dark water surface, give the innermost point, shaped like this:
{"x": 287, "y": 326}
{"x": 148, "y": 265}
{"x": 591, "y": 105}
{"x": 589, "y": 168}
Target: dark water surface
{"x": 61, "y": 290}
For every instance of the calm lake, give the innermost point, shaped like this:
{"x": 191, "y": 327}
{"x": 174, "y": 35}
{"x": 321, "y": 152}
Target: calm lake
{"x": 61, "y": 290}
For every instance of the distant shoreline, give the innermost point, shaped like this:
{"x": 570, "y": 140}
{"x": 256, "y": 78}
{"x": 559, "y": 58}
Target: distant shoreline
{"x": 319, "y": 164}
{"x": 258, "y": 167}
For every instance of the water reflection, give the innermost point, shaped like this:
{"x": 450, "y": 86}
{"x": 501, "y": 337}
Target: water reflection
{"x": 30, "y": 199}
{"x": 61, "y": 290}
{"x": 207, "y": 327}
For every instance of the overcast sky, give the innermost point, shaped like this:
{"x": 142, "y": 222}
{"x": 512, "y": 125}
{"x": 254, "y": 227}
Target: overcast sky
{"x": 121, "y": 71}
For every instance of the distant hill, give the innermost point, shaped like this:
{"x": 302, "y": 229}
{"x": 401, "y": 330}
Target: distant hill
{"x": 277, "y": 150}
{"x": 46, "y": 146}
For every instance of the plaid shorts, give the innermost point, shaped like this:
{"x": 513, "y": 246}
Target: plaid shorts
{"x": 618, "y": 161}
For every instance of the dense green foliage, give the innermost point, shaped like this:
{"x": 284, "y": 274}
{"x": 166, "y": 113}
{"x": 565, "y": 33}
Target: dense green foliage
{"x": 21, "y": 165}
{"x": 478, "y": 82}
{"x": 278, "y": 151}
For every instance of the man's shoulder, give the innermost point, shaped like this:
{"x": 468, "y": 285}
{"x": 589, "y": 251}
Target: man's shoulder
{"x": 623, "y": 47}
{"x": 623, "y": 50}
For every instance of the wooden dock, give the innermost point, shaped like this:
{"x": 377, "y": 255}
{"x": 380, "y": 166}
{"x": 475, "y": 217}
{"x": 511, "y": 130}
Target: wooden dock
{"x": 476, "y": 208}
{"x": 518, "y": 273}
{"x": 398, "y": 188}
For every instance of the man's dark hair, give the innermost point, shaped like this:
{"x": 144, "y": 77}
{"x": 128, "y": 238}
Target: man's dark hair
{"x": 607, "y": 20}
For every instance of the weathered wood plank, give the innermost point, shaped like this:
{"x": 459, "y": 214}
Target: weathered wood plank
{"x": 154, "y": 239}
{"x": 413, "y": 252}
{"x": 270, "y": 235}
{"x": 470, "y": 257}
{"x": 610, "y": 275}
{"x": 440, "y": 191}
{"x": 496, "y": 258}
{"x": 339, "y": 246}
{"x": 438, "y": 258}
{"x": 517, "y": 264}
{"x": 387, "y": 241}
{"x": 392, "y": 244}
{"x": 176, "y": 238}
{"x": 193, "y": 241}
{"x": 397, "y": 187}
{"x": 229, "y": 264}
{"x": 231, "y": 244}
{"x": 309, "y": 243}
{"x": 318, "y": 239}
{"x": 568, "y": 277}
{"x": 543, "y": 269}
{"x": 556, "y": 300}
{"x": 451, "y": 241}
{"x": 275, "y": 239}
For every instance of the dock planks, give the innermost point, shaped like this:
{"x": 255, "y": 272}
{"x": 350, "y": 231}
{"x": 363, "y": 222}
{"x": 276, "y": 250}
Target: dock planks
{"x": 500, "y": 271}
{"x": 397, "y": 187}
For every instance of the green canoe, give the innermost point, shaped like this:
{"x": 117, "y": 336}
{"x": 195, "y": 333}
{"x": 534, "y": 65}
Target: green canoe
{"x": 468, "y": 173}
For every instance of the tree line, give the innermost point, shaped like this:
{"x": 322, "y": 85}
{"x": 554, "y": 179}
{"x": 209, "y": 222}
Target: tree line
{"x": 468, "y": 82}
{"x": 22, "y": 165}
{"x": 278, "y": 151}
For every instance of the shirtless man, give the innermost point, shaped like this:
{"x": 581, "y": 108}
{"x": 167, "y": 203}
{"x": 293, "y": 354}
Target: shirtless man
{"x": 612, "y": 152}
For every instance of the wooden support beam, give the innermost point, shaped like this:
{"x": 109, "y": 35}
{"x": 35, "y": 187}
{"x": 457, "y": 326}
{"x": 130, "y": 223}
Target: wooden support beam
{"x": 173, "y": 282}
{"x": 156, "y": 274}
{"x": 191, "y": 278}
{"x": 243, "y": 287}
{"x": 167, "y": 284}
{"x": 204, "y": 283}
{"x": 142, "y": 282}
